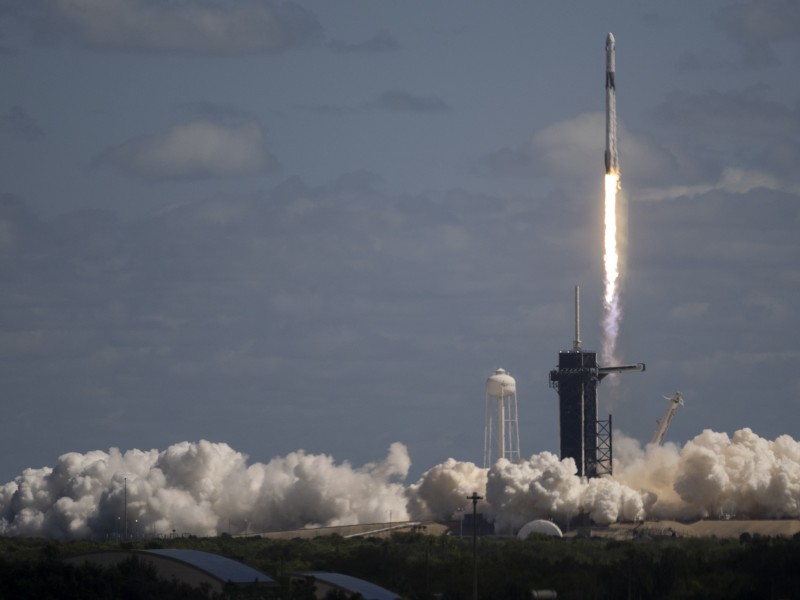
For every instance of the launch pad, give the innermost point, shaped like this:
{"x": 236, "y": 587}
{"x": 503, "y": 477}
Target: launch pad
{"x": 584, "y": 437}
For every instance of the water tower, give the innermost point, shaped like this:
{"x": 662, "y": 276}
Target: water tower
{"x": 501, "y": 392}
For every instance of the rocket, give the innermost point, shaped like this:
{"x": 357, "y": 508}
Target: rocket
{"x": 612, "y": 160}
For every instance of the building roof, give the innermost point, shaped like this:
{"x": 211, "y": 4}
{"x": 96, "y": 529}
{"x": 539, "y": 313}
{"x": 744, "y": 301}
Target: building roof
{"x": 367, "y": 590}
{"x": 192, "y": 567}
{"x": 220, "y": 567}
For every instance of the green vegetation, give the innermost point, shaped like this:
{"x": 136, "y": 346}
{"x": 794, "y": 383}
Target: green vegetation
{"x": 418, "y": 566}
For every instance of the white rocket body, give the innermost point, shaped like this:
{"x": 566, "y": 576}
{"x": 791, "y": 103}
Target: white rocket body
{"x": 612, "y": 160}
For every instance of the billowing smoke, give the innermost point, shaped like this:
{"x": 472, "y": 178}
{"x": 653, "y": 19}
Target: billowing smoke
{"x": 208, "y": 488}
{"x": 546, "y": 487}
{"x": 202, "y": 488}
{"x": 442, "y": 490}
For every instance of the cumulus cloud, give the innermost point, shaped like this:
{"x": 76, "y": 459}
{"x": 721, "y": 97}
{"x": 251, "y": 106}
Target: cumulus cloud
{"x": 400, "y": 100}
{"x": 556, "y": 150}
{"x": 197, "y": 149}
{"x": 204, "y": 27}
{"x": 562, "y": 150}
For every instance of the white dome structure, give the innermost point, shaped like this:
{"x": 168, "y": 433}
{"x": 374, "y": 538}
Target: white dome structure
{"x": 501, "y": 390}
{"x": 539, "y": 526}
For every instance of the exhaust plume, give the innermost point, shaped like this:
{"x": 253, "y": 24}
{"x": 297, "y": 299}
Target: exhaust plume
{"x": 612, "y": 310}
{"x": 612, "y": 314}
{"x": 207, "y": 488}
{"x": 201, "y": 488}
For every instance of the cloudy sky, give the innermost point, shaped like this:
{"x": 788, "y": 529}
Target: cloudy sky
{"x": 322, "y": 225}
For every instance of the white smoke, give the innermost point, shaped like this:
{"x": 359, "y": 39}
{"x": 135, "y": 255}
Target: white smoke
{"x": 443, "y": 489}
{"x": 208, "y": 488}
{"x": 200, "y": 488}
{"x": 546, "y": 487}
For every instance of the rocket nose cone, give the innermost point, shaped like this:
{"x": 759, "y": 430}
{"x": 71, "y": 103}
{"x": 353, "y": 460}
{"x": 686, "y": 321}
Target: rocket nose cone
{"x": 610, "y": 38}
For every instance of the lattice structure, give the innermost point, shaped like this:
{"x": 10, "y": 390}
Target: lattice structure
{"x": 584, "y": 437}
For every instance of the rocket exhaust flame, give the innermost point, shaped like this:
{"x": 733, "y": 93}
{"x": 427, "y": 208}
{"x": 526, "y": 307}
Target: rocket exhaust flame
{"x": 612, "y": 313}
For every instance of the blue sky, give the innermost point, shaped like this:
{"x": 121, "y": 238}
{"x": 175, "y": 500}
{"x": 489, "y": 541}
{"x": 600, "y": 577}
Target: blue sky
{"x": 322, "y": 225}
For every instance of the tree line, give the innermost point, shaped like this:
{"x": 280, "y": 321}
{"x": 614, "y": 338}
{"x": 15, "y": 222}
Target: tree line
{"x": 418, "y": 566}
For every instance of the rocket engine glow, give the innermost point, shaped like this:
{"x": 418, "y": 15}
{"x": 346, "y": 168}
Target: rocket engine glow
{"x": 612, "y": 313}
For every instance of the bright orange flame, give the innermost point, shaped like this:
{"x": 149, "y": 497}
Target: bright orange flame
{"x": 612, "y": 314}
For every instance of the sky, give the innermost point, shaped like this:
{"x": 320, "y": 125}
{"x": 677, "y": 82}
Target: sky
{"x": 322, "y": 225}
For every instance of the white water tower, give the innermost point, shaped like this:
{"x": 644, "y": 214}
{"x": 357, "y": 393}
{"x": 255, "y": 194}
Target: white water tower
{"x": 501, "y": 404}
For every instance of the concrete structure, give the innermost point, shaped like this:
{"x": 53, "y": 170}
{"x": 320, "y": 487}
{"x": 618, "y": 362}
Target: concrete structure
{"x": 193, "y": 567}
{"x": 379, "y": 530}
{"x": 540, "y": 526}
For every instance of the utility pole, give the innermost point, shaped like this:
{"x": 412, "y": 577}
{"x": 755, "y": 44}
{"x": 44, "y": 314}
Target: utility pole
{"x": 474, "y": 499}
{"x": 125, "y": 512}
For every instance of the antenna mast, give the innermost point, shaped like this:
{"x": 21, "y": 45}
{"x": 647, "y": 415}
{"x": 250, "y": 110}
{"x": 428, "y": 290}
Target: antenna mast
{"x": 576, "y": 345}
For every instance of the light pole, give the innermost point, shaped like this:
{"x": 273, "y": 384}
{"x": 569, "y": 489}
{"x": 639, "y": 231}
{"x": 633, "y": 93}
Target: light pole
{"x": 475, "y": 499}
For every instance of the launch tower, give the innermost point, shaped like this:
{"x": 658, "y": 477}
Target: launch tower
{"x": 584, "y": 437}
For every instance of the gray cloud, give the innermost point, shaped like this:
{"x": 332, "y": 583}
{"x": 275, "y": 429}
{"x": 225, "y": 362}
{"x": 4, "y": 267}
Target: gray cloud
{"x": 197, "y": 149}
{"x": 732, "y": 112}
{"x": 339, "y": 292}
{"x": 782, "y": 157}
{"x": 404, "y": 101}
{"x": 328, "y": 109}
{"x": 19, "y": 124}
{"x": 758, "y": 26}
{"x": 214, "y": 111}
{"x": 561, "y": 152}
{"x": 203, "y": 27}
{"x": 381, "y": 42}
{"x": 391, "y": 100}
{"x": 282, "y": 295}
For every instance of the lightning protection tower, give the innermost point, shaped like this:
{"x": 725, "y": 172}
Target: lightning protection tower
{"x": 584, "y": 437}
{"x": 501, "y": 392}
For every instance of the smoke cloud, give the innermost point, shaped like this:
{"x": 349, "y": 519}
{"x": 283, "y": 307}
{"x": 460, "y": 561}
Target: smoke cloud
{"x": 200, "y": 488}
{"x": 207, "y": 488}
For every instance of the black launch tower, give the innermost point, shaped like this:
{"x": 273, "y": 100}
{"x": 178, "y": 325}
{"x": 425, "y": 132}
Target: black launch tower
{"x": 584, "y": 437}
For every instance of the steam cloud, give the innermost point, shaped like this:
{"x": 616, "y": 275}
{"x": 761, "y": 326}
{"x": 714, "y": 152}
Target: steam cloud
{"x": 207, "y": 488}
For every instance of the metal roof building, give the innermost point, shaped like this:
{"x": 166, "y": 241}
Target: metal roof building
{"x": 189, "y": 566}
{"x": 328, "y": 582}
